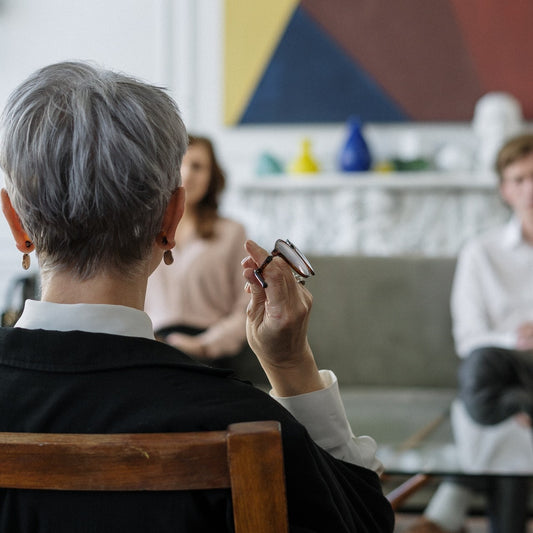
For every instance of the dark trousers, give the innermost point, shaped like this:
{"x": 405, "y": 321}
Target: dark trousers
{"x": 494, "y": 384}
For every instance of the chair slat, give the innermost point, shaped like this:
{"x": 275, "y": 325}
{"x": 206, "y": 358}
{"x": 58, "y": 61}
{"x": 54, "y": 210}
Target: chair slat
{"x": 257, "y": 478}
{"x": 166, "y": 461}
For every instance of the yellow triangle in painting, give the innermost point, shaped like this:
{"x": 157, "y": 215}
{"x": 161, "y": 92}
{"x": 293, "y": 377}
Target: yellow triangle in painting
{"x": 253, "y": 29}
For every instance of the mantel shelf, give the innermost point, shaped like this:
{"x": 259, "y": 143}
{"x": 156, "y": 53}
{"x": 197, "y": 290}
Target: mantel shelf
{"x": 388, "y": 180}
{"x": 430, "y": 213}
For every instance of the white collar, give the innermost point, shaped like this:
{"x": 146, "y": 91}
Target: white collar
{"x": 93, "y": 318}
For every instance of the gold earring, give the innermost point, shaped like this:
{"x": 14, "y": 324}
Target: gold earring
{"x": 168, "y": 258}
{"x": 26, "y": 261}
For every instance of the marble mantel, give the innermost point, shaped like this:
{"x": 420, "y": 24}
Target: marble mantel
{"x": 372, "y": 214}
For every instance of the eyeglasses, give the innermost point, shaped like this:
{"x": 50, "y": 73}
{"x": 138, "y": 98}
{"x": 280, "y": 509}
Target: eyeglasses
{"x": 292, "y": 256}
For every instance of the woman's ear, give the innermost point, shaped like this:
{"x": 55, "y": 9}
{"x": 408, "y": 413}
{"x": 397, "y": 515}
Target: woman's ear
{"x": 21, "y": 237}
{"x": 173, "y": 214}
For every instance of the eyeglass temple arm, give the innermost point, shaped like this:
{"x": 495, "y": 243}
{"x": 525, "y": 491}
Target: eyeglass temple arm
{"x": 259, "y": 271}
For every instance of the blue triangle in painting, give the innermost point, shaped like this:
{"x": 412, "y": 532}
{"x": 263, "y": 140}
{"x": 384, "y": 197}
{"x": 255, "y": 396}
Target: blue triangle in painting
{"x": 311, "y": 79}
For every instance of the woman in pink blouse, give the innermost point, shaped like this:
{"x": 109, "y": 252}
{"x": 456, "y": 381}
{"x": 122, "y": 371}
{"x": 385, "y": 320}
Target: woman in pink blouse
{"x": 197, "y": 303}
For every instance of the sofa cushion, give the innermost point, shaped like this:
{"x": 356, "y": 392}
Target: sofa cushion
{"x": 384, "y": 320}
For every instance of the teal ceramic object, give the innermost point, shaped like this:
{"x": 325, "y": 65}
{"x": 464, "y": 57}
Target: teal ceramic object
{"x": 267, "y": 165}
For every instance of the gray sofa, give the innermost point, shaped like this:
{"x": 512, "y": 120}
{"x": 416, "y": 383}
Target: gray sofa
{"x": 384, "y": 321}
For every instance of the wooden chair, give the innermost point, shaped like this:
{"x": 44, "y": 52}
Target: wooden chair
{"x": 247, "y": 458}
{"x": 398, "y": 496}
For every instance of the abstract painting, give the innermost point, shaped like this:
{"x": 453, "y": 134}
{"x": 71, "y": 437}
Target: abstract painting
{"x": 318, "y": 61}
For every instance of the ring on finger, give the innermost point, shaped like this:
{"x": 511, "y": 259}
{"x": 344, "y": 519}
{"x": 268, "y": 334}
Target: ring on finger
{"x": 299, "y": 279}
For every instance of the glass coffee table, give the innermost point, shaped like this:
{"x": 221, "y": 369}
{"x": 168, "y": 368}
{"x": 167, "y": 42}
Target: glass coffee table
{"x": 413, "y": 431}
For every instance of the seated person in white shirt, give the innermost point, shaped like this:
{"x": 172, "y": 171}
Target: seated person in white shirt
{"x": 91, "y": 161}
{"x": 492, "y": 312}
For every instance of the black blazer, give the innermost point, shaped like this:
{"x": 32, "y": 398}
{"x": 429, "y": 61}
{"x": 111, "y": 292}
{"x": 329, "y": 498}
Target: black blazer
{"x": 81, "y": 382}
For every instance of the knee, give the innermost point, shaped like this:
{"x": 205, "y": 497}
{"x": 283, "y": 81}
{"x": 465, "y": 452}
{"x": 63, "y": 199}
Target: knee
{"x": 479, "y": 368}
{"x": 489, "y": 387}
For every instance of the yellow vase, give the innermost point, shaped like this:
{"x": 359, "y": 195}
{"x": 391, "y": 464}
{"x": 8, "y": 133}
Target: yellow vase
{"x": 304, "y": 163}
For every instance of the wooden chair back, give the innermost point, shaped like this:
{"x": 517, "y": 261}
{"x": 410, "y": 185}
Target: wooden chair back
{"x": 246, "y": 458}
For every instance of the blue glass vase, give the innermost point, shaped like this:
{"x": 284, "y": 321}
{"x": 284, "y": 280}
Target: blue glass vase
{"x": 355, "y": 155}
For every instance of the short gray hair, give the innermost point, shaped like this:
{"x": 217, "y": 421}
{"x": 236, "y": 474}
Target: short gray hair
{"x": 91, "y": 159}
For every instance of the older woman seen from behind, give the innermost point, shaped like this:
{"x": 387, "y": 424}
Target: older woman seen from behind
{"x": 91, "y": 161}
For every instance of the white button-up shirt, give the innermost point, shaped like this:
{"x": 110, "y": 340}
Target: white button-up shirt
{"x": 492, "y": 293}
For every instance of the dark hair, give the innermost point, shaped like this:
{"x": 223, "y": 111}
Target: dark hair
{"x": 513, "y": 150}
{"x": 91, "y": 159}
{"x": 207, "y": 208}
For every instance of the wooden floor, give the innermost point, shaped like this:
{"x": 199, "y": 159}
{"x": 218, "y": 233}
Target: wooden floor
{"x": 475, "y": 524}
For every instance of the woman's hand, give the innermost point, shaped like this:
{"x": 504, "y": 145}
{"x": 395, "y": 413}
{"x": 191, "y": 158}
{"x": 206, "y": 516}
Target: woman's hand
{"x": 276, "y": 325}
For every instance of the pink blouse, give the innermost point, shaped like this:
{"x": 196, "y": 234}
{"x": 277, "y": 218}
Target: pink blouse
{"x": 204, "y": 288}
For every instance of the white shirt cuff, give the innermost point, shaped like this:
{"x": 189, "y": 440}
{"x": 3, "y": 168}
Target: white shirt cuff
{"x": 322, "y": 413}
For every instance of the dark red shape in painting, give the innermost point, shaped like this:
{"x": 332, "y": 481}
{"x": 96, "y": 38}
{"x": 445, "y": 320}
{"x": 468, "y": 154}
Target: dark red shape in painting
{"x": 414, "y": 49}
{"x": 498, "y": 34}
